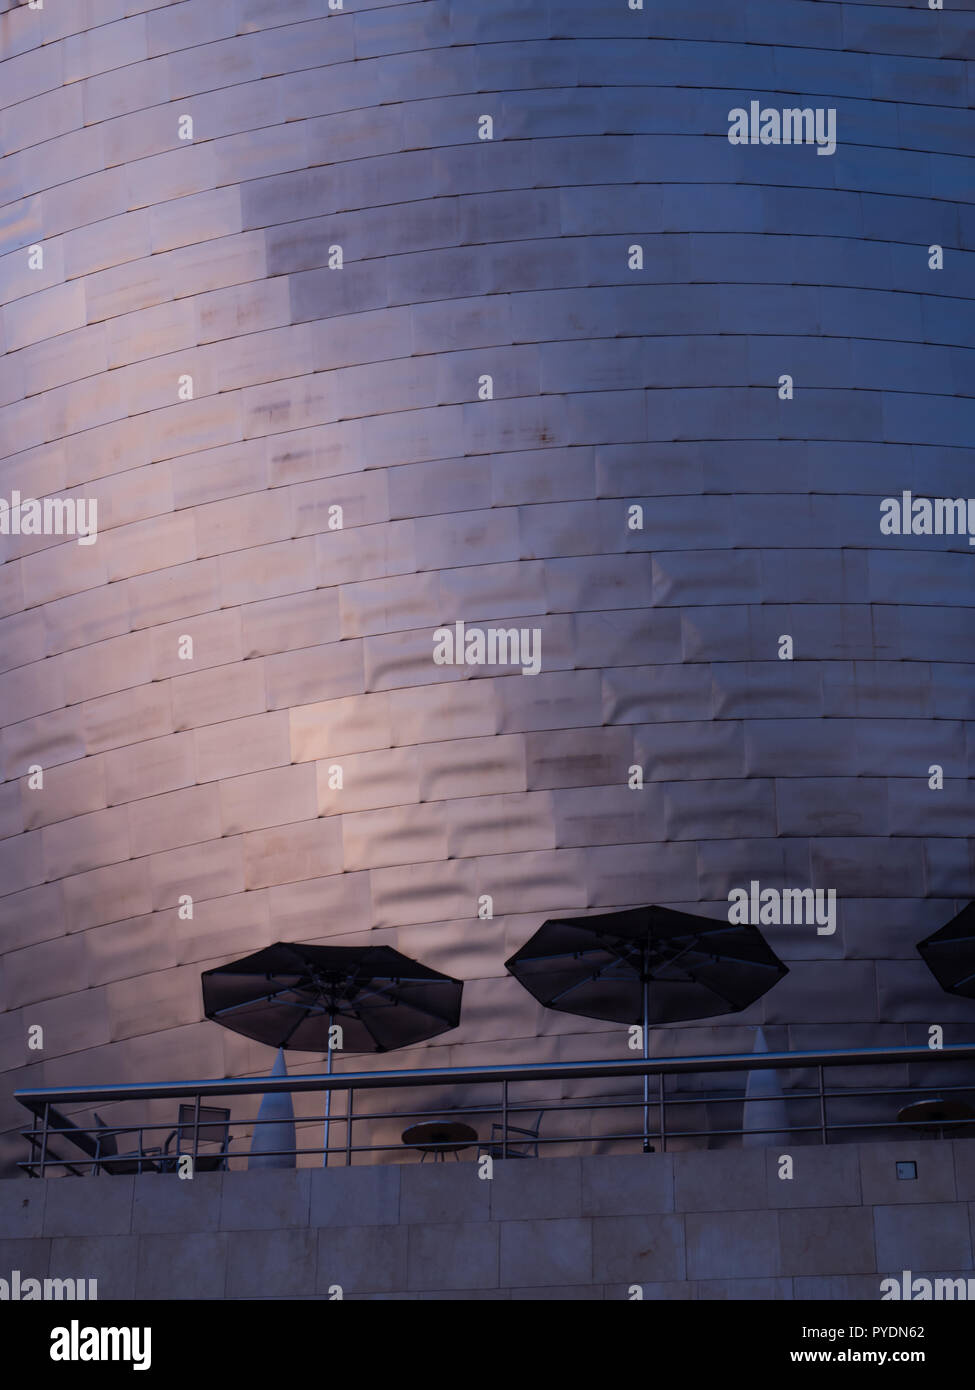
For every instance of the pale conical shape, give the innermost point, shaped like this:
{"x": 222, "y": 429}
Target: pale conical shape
{"x": 275, "y": 1106}
{"x": 766, "y": 1107}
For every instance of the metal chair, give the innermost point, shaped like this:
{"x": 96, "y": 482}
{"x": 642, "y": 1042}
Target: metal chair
{"x": 211, "y": 1125}
{"x": 497, "y": 1148}
{"x": 106, "y": 1147}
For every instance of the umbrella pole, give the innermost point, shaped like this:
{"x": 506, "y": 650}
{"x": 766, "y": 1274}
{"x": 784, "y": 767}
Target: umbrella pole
{"x": 328, "y": 1094}
{"x": 646, "y": 1053}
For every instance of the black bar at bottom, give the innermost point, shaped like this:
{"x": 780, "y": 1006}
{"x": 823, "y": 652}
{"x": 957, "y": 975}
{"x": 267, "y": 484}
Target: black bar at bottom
{"x": 235, "y": 1339}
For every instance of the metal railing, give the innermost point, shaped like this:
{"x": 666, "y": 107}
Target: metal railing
{"x": 808, "y": 1110}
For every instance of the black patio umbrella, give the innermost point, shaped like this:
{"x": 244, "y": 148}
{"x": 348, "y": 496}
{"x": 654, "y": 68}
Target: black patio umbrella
{"x": 646, "y": 965}
{"x": 290, "y": 996}
{"x": 949, "y": 954}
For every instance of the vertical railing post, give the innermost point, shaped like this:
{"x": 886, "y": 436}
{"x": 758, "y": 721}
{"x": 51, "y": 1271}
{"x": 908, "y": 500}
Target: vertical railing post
{"x": 196, "y": 1135}
{"x": 348, "y": 1131}
{"x": 504, "y": 1118}
{"x": 822, "y": 1103}
{"x": 47, "y": 1116}
{"x": 663, "y": 1114}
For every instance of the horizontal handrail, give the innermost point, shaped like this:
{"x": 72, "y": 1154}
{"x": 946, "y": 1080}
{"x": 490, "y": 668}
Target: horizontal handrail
{"x": 36, "y": 1099}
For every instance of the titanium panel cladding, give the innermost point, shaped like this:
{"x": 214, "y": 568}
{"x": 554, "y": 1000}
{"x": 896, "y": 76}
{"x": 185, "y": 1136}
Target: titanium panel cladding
{"x": 467, "y": 462}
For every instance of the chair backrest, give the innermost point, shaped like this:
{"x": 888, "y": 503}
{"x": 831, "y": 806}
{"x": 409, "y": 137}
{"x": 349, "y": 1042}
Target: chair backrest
{"x": 523, "y": 1124}
{"x": 105, "y": 1138}
{"x": 214, "y": 1125}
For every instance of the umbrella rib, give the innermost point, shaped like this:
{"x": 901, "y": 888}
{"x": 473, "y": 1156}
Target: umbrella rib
{"x": 235, "y": 1008}
{"x": 574, "y": 954}
{"x": 595, "y": 974}
{"x": 267, "y": 996}
{"x": 291, "y": 1031}
{"x": 753, "y": 964}
{"x": 577, "y": 984}
{"x": 381, "y": 991}
{"x": 377, "y": 991}
{"x": 729, "y": 957}
{"x": 352, "y": 1008}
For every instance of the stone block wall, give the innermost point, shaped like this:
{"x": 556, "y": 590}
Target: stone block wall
{"x": 684, "y": 1226}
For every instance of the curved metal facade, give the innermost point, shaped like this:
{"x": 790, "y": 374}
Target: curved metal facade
{"x": 313, "y": 387}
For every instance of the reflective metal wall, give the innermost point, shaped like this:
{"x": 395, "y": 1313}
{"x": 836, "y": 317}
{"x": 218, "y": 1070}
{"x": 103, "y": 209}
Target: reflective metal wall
{"x": 202, "y": 251}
